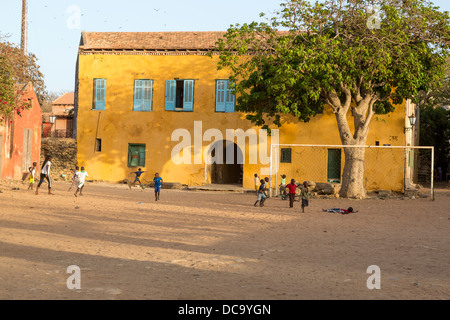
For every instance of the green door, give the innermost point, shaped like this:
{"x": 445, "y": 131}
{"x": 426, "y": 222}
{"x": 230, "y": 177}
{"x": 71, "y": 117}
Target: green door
{"x": 334, "y": 165}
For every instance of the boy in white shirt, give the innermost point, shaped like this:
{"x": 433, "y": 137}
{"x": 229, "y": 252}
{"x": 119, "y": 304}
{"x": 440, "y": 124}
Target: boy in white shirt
{"x": 81, "y": 178}
{"x": 45, "y": 175}
{"x": 74, "y": 178}
{"x": 256, "y": 179}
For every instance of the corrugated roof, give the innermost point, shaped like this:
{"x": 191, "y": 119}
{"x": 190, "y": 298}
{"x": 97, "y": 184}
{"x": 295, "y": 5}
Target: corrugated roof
{"x": 150, "y": 40}
{"x": 65, "y": 99}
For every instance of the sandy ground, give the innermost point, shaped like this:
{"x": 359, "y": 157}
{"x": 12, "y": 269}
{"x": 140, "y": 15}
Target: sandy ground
{"x": 210, "y": 245}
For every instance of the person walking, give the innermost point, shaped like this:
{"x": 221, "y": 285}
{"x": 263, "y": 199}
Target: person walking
{"x": 283, "y": 190}
{"x": 261, "y": 195}
{"x": 305, "y": 195}
{"x": 158, "y": 183}
{"x": 81, "y": 179}
{"x": 45, "y": 175}
{"x": 32, "y": 171}
{"x": 256, "y": 180}
{"x": 74, "y": 178}
{"x": 291, "y": 187}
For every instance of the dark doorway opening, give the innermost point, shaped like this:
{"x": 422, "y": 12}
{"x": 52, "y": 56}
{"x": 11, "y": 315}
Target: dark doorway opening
{"x": 227, "y": 172}
{"x": 179, "y": 102}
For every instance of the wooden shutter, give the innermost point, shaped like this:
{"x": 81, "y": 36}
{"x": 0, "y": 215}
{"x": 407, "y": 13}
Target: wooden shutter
{"x": 229, "y": 98}
{"x": 133, "y": 156}
{"x": 411, "y": 159}
{"x": 143, "y": 94}
{"x": 129, "y": 155}
{"x": 220, "y": 95}
{"x": 99, "y": 94}
{"x": 138, "y": 95}
{"x": 141, "y": 150}
{"x": 188, "y": 103}
{"x": 171, "y": 86}
{"x": 136, "y": 155}
{"x": 147, "y": 95}
{"x": 27, "y": 149}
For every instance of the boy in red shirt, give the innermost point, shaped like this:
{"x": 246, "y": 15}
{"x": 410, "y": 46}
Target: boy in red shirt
{"x": 291, "y": 187}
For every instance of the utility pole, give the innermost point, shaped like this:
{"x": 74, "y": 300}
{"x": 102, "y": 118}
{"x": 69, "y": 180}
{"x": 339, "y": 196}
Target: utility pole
{"x": 24, "y": 39}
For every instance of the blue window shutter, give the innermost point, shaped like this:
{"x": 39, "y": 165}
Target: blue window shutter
{"x": 220, "y": 95}
{"x": 102, "y": 99}
{"x": 143, "y": 94}
{"x": 99, "y": 94}
{"x": 95, "y": 94}
{"x": 229, "y": 100}
{"x": 188, "y": 103}
{"x": 147, "y": 95}
{"x": 138, "y": 95}
{"x": 171, "y": 86}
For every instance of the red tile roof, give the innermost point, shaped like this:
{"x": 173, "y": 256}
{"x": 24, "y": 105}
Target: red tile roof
{"x": 150, "y": 40}
{"x": 65, "y": 99}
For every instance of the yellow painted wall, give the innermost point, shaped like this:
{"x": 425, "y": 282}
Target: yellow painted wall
{"x": 119, "y": 125}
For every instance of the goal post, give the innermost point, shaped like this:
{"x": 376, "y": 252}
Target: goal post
{"x": 390, "y": 168}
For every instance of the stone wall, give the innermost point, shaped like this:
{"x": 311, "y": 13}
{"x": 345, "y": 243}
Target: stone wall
{"x": 64, "y": 153}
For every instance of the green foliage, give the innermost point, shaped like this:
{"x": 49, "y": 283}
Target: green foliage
{"x": 438, "y": 94}
{"x": 435, "y": 131}
{"x": 7, "y": 93}
{"x": 17, "y": 69}
{"x": 311, "y": 55}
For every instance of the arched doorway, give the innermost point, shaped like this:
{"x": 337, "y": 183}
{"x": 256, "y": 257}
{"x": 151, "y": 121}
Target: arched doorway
{"x": 229, "y": 168}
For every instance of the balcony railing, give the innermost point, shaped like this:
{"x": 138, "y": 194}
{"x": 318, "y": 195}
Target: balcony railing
{"x": 58, "y": 134}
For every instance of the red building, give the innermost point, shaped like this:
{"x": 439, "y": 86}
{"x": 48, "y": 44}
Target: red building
{"x": 20, "y": 138}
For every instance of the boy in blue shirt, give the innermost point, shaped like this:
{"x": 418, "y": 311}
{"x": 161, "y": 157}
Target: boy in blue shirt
{"x": 138, "y": 176}
{"x": 158, "y": 180}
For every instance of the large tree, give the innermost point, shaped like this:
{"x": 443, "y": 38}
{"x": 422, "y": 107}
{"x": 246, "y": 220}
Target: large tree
{"x": 8, "y": 94}
{"x": 434, "y": 120}
{"x": 438, "y": 94}
{"x": 356, "y": 57}
{"x": 435, "y": 131}
{"x": 19, "y": 68}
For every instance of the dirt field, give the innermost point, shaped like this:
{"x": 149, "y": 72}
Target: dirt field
{"x": 209, "y": 245}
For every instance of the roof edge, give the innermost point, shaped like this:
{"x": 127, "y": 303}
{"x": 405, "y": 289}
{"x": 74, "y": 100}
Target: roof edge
{"x": 151, "y": 41}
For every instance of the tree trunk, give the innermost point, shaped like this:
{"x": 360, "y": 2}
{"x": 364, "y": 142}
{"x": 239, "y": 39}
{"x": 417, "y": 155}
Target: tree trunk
{"x": 353, "y": 175}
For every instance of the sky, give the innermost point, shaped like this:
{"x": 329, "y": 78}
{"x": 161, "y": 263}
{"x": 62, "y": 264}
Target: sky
{"x": 55, "y": 31}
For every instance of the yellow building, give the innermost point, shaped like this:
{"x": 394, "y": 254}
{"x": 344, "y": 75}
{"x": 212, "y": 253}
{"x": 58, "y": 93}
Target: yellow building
{"x": 156, "y": 101}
